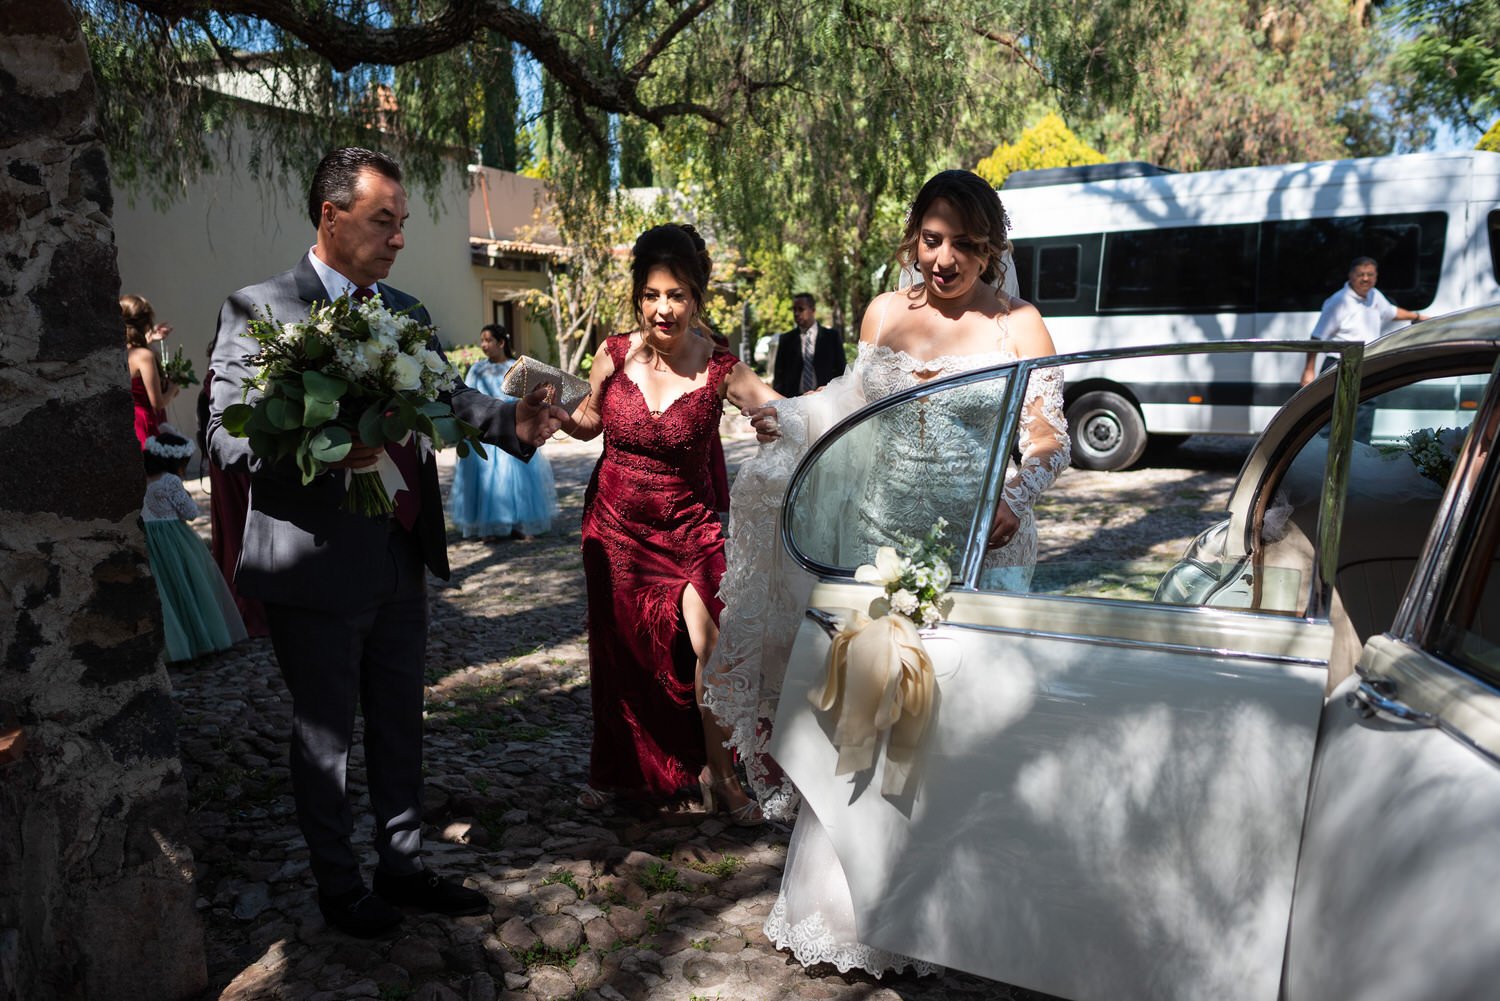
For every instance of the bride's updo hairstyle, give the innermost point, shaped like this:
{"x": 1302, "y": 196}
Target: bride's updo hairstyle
{"x": 979, "y": 210}
{"x": 679, "y": 249}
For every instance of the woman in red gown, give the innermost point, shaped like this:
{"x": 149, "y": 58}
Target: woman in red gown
{"x": 653, "y": 548}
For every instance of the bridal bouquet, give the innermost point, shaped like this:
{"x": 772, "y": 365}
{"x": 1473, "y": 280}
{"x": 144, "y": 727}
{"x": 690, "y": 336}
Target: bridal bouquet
{"x": 916, "y": 584}
{"x": 1432, "y": 451}
{"x": 350, "y": 371}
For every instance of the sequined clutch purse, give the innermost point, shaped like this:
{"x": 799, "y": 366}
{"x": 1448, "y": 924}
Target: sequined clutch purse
{"x": 527, "y": 374}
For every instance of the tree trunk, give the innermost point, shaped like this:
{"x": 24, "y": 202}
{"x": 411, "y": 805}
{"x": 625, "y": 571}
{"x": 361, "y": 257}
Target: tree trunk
{"x": 96, "y": 887}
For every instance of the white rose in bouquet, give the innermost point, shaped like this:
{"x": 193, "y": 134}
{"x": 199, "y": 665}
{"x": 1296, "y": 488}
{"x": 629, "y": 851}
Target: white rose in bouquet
{"x": 407, "y": 372}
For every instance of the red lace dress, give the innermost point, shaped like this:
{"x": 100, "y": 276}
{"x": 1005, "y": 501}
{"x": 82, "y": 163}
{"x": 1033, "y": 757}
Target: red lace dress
{"x": 649, "y": 530}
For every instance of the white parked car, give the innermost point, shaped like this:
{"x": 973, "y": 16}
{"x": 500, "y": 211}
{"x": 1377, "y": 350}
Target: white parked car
{"x": 1267, "y": 768}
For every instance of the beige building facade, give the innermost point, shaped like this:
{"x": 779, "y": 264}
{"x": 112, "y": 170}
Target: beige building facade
{"x": 471, "y": 248}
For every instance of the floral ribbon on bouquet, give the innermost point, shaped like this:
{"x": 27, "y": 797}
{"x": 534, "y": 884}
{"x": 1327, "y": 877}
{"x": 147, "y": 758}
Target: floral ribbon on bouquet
{"x": 392, "y": 480}
{"x": 880, "y": 683}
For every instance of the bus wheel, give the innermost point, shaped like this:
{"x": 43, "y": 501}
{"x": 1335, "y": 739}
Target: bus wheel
{"x": 1107, "y": 429}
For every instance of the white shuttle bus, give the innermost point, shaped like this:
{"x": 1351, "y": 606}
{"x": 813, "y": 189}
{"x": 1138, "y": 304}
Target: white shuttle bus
{"x": 1130, "y": 254}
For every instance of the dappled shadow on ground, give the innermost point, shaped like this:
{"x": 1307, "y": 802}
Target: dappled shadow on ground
{"x": 651, "y": 903}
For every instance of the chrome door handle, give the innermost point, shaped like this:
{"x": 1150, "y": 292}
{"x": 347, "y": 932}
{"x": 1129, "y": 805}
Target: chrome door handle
{"x": 1379, "y": 695}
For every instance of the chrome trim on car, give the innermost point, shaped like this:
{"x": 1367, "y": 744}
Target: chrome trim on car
{"x": 1379, "y": 695}
{"x": 1114, "y": 641}
{"x": 1414, "y": 685}
{"x": 1452, "y": 539}
{"x": 1336, "y": 475}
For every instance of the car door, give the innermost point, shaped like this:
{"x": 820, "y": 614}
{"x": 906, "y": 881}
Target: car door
{"x": 1109, "y": 796}
{"x": 1399, "y": 872}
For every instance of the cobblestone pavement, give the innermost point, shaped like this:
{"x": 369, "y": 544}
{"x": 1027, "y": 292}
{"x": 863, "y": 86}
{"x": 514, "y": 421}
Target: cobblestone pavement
{"x": 665, "y": 905}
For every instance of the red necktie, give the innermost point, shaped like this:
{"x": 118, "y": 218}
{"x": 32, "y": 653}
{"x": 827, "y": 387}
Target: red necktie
{"x": 408, "y": 502}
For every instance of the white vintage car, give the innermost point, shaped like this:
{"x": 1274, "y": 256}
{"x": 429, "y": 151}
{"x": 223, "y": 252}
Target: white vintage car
{"x": 1267, "y": 769}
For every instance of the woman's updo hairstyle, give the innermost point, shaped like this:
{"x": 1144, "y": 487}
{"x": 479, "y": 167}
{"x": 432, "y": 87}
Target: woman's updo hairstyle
{"x": 139, "y": 318}
{"x": 979, "y": 211}
{"x": 679, "y": 249}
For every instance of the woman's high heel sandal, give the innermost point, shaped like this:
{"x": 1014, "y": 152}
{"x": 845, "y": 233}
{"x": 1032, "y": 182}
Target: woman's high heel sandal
{"x": 747, "y": 815}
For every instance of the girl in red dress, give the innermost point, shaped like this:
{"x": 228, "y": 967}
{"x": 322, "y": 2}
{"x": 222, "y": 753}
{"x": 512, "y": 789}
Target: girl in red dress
{"x": 150, "y": 391}
{"x": 653, "y": 548}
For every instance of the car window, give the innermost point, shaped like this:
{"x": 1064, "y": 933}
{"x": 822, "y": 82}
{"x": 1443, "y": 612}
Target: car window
{"x": 1404, "y": 443}
{"x": 890, "y": 477}
{"x": 1165, "y": 538}
{"x": 1468, "y": 609}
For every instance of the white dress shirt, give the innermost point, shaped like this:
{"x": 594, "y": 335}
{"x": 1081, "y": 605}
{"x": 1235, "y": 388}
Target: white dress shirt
{"x": 335, "y": 283}
{"x": 1347, "y": 317}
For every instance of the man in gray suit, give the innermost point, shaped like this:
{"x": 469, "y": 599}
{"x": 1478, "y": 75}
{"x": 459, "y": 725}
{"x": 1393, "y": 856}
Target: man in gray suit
{"x": 345, "y": 594}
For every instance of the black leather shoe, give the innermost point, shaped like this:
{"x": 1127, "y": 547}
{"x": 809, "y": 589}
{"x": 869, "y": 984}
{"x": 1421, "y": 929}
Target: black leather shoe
{"x": 358, "y": 912}
{"x": 430, "y": 892}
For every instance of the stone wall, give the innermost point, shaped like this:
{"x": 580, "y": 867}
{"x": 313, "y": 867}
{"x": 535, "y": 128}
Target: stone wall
{"x": 96, "y": 889}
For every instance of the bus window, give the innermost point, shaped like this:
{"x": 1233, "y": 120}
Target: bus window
{"x": 1303, "y": 261}
{"x": 1495, "y": 242}
{"x": 1188, "y": 269}
{"x": 1057, "y": 273}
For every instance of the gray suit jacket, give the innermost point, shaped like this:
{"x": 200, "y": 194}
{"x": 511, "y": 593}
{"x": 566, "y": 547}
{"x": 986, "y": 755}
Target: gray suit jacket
{"x": 300, "y": 547}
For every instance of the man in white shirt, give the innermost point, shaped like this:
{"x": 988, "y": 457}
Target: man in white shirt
{"x": 1356, "y": 312}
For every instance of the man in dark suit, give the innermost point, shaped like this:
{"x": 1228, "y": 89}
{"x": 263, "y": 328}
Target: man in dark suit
{"x": 809, "y": 355}
{"x": 345, "y": 594}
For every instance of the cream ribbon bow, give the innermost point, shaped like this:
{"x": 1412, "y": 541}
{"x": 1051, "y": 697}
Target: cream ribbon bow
{"x": 385, "y": 467}
{"x": 880, "y": 681}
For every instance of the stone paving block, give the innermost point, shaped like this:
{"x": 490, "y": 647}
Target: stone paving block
{"x": 517, "y": 936}
{"x": 550, "y": 983}
{"x": 482, "y": 988}
{"x": 705, "y": 971}
{"x": 559, "y": 932}
{"x": 417, "y": 955}
{"x": 552, "y": 898}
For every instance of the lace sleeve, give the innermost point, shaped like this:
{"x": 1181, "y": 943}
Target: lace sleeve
{"x": 183, "y": 504}
{"x": 1045, "y": 447}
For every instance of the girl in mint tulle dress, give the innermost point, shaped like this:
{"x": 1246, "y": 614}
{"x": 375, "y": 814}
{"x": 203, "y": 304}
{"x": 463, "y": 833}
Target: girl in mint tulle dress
{"x": 198, "y": 612}
{"x": 500, "y": 496}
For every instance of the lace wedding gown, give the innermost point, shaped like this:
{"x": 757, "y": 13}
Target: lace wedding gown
{"x": 765, "y": 594}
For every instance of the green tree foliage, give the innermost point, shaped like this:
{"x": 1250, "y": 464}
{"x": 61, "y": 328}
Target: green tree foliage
{"x": 1048, "y": 143}
{"x": 1452, "y": 58}
{"x": 588, "y": 289}
{"x": 1250, "y": 82}
{"x": 795, "y": 132}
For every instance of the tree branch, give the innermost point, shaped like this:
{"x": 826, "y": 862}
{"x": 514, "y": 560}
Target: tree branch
{"x": 686, "y": 17}
{"x": 345, "y": 44}
{"x": 1013, "y": 43}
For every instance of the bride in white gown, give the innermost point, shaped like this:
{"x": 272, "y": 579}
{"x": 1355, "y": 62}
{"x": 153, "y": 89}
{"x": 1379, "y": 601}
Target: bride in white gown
{"x": 958, "y": 318}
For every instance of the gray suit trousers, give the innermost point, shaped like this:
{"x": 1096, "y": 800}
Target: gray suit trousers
{"x": 333, "y": 662}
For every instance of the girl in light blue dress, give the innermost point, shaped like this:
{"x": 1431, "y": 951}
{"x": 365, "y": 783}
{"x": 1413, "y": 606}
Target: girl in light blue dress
{"x": 198, "y": 612}
{"x": 500, "y": 496}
